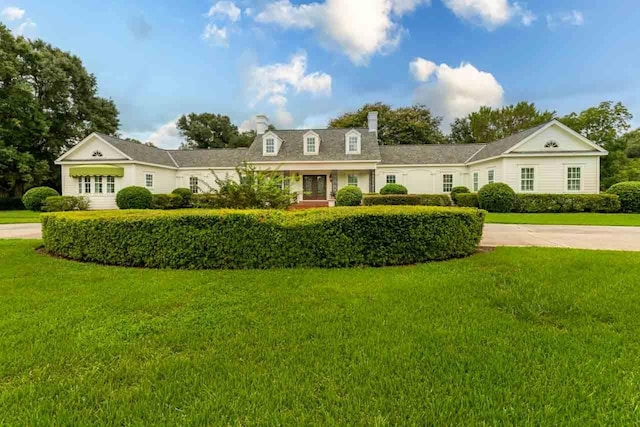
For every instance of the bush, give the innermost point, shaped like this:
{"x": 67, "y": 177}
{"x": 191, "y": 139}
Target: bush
{"x": 232, "y": 239}
{"x": 497, "y": 197}
{"x": 11, "y": 204}
{"x": 407, "y": 199}
{"x": 35, "y": 197}
{"x": 166, "y": 201}
{"x": 567, "y": 203}
{"x": 393, "y": 189}
{"x": 65, "y": 203}
{"x": 458, "y": 190}
{"x": 134, "y": 198}
{"x": 349, "y": 196}
{"x": 469, "y": 200}
{"x": 629, "y": 194}
{"x": 206, "y": 201}
{"x": 185, "y": 194}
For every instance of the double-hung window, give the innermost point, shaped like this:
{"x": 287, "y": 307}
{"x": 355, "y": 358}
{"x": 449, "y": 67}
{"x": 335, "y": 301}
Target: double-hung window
{"x": 193, "y": 184}
{"x": 79, "y": 185}
{"x": 148, "y": 180}
{"x": 111, "y": 184}
{"x": 270, "y": 146}
{"x": 476, "y": 179}
{"x": 491, "y": 176}
{"x": 352, "y": 180}
{"x": 574, "y": 178}
{"x": 311, "y": 144}
{"x": 447, "y": 183}
{"x": 97, "y": 184}
{"x": 353, "y": 144}
{"x": 87, "y": 184}
{"x": 391, "y": 179}
{"x": 527, "y": 179}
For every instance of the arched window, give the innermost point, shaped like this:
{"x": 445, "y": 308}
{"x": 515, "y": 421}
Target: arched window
{"x": 551, "y": 144}
{"x": 97, "y": 153}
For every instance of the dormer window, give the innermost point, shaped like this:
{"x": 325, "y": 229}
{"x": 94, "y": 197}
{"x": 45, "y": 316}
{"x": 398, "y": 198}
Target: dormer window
{"x": 551, "y": 144}
{"x": 311, "y": 143}
{"x": 270, "y": 146}
{"x": 353, "y": 142}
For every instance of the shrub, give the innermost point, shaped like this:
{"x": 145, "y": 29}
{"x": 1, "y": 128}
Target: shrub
{"x": 185, "y": 194}
{"x": 469, "y": 200}
{"x": 393, "y": 189}
{"x": 458, "y": 190}
{"x": 567, "y": 203}
{"x": 629, "y": 194}
{"x": 65, "y": 203}
{"x": 134, "y": 198}
{"x": 166, "y": 201}
{"x": 11, "y": 204}
{"x": 407, "y": 199}
{"x": 497, "y": 197}
{"x": 206, "y": 201}
{"x": 35, "y": 197}
{"x": 349, "y": 196}
{"x": 232, "y": 239}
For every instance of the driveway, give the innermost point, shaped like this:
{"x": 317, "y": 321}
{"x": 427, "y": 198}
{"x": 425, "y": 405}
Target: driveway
{"x": 554, "y": 236}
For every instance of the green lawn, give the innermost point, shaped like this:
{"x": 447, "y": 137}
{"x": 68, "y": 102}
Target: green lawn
{"x": 15, "y": 217}
{"x": 516, "y": 336}
{"x": 565, "y": 219}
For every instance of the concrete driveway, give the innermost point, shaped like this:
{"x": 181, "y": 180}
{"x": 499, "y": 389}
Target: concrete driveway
{"x": 20, "y": 231}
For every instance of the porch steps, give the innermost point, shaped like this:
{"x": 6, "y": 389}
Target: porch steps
{"x": 310, "y": 204}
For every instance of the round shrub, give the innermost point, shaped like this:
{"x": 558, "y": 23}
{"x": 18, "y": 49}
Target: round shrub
{"x": 185, "y": 194}
{"x": 233, "y": 239}
{"x": 394, "y": 189}
{"x": 629, "y": 194}
{"x": 497, "y": 197}
{"x": 458, "y": 190}
{"x": 349, "y": 196}
{"x": 134, "y": 198}
{"x": 35, "y": 197}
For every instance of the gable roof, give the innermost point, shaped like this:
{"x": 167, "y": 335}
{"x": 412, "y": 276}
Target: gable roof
{"x": 214, "y": 158}
{"x": 140, "y": 152}
{"x": 429, "y": 154}
{"x": 496, "y": 148}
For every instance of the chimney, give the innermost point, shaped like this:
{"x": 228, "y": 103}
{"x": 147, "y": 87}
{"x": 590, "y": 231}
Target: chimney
{"x": 262, "y": 124}
{"x": 372, "y": 118}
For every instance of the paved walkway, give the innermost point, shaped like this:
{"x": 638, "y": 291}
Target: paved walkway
{"x": 555, "y": 236}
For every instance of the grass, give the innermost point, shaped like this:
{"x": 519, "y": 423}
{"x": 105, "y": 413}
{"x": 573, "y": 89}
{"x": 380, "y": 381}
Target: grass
{"x": 18, "y": 217}
{"x": 565, "y": 219}
{"x": 516, "y": 336}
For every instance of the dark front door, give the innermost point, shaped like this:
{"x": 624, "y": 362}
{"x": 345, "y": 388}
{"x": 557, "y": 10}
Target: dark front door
{"x": 314, "y": 187}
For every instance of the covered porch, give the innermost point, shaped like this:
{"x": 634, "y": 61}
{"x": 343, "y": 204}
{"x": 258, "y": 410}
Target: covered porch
{"x": 317, "y": 188}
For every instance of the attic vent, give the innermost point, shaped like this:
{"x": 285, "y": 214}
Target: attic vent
{"x": 97, "y": 153}
{"x": 551, "y": 144}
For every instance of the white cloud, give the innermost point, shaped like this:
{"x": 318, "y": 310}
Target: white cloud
{"x": 490, "y": 13}
{"x": 12, "y": 13}
{"x": 166, "y": 136}
{"x": 421, "y": 69}
{"x": 457, "y": 91}
{"x": 573, "y": 18}
{"x": 217, "y": 35}
{"x": 25, "y": 28}
{"x": 225, "y": 9}
{"x": 360, "y": 28}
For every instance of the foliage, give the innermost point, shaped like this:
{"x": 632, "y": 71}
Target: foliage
{"x": 469, "y": 200}
{"x": 458, "y": 190}
{"x": 406, "y": 125}
{"x": 491, "y": 124}
{"x": 35, "y": 197}
{"x": 208, "y": 130}
{"x": 407, "y": 199}
{"x": 230, "y": 239}
{"x": 166, "y": 201}
{"x": 206, "y": 201}
{"x": 566, "y": 203}
{"x": 65, "y": 203}
{"x": 134, "y": 197}
{"x": 394, "y": 189}
{"x": 349, "y": 196}
{"x": 49, "y": 103}
{"x": 629, "y": 194}
{"x": 11, "y": 204}
{"x": 186, "y": 196}
{"x": 497, "y": 197}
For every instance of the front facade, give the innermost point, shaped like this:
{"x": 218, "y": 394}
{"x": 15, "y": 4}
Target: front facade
{"x": 549, "y": 158}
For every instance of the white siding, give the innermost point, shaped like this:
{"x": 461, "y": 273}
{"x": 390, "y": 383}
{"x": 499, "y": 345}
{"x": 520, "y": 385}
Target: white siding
{"x": 363, "y": 179}
{"x": 164, "y": 180}
{"x": 421, "y": 179}
{"x": 86, "y": 150}
{"x": 566, "y": 141}
{"x": 97, "y": 201}
{"x": 551, "y": 173}
{"x": 206, "y": 177}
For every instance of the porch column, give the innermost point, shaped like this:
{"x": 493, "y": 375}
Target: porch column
{"x": 334, "y": 183}
{"x": 372, "y": 180}
{"x": 287, "y": 180}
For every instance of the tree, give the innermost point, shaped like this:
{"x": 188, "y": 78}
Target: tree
{"x": 48, "y": 103}
{"x": 491, "y": 124}
{"x": 206, "y": 130}
{"x": 405, "y": 125}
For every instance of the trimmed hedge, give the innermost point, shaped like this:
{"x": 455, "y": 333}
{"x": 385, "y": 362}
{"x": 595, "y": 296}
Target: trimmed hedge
{"x": 186, "y": 195}
{"x": 407, "y": 199}
{"x": 134, "y": 197}
{"x": 11, "y": 204}
{"x": 458, "y": 190}
{"x": 629, "y": 194}
{"x": 394, "y": 189}
{"x": 35, "y": 197}
{"x": 468, "y": 200}
{"x": 349, "y": 196}
{"x": 65, "y": 203}
{"x": 206, "y": 201}
{"x": 166, "y": 201}
{"x": 234, "y": 239}
{"x": 497, "y": 197}
{"x": 567, "y": 203}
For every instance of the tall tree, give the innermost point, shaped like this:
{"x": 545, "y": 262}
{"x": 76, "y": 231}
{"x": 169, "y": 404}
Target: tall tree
{"x": 491, "y": 124}
{"x": 206, "y": 130}
{"x": 405, "y": 125}
{"x": 48, "y": 103}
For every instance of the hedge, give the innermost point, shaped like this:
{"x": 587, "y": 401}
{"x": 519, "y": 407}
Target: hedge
{"x": 186, "y": 194}
{"x": 11, "y": 204}
{"x": 567, "y": 203}
{"x": 629, "y": 194}
{"x": 35, "y": 197}
{"x": 349, "y": 196}
{"x": 469, "y": 200}
{"x": 394, "y": 189}
{"x": 407, "y": 199}
{"x": 458, "y": 190}
{"x": 235, "y": 239}
{"x": 166, "y": 201}
{"x": 65, "y": 203}
{"x": 497, "y": 197}
{"x": 134, "y": 197}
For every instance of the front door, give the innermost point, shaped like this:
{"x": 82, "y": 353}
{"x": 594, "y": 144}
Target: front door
{"x": 314, "y": 187}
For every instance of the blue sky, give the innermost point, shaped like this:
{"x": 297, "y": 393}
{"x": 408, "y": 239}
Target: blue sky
{"x": 304, "y": 62}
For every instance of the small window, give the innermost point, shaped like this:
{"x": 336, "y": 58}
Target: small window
{"x": 391, "y": 179}
{"x": 87, "y": 184}
{"x": 80, "y": 185}
{"x": 574, "y": 178}
{"x": 527, "y": 177}
{"x": 97, "y": 153}
{"x": 111, "y": 184}
{"x": 193, "y": 184}
{"x": 551, "y": 144}
{"x": 491, "y": 176}
{"x": 352, "y": 180}
{"x": 353, "y": 144}
{"x": 148, "y": 180}
{"x": 97, "y": 184}
{"x": 311, "y": 145}
{"x": 476, "y": 181}
{"x": 270, "y": 146}
{"x": 447, "y": 183}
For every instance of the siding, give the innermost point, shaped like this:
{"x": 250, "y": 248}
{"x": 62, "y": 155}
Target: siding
{"x": 551, "y": 173}
{"x": 421, "y": 179}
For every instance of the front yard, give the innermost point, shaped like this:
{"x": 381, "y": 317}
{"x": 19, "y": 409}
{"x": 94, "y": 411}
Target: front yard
{"x": 19, "y": 217}
{"x": 515, "y": 336}
{"x": 617, "y": 219}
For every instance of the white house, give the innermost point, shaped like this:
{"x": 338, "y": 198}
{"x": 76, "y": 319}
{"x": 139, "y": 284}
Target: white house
{"x": 550, "y": 158}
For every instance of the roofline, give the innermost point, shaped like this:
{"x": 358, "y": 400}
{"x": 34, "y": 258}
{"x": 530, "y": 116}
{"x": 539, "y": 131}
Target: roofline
{"x": 72, "y": 149}
{"x": 314, "y": 161}
{"x": 400, "y": 165}
{"x": 121, "y": 162}
{"x": 171, "y": 157}
{"x": 562, "y": 126}
{"x": 476, "y": 153}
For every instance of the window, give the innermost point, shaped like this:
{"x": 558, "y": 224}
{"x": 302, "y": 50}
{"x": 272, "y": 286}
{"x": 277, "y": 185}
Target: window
{"x": 353, "y": 144}
{"x": 311, "y": 145}
{"x": 551, "y": 144}
{"x": 97, "y": 153}
{"x": 447, "y": 183}
{"x": 391, "y": 179}
{"x": 148, "y": 180}
{"x": 80, "y": 185}
{"x": 193, "y": 184}
{"x": 111, "y": 184}
{"x": 97, "y": 184}
{"x": 270, "y": 146}
{"x": 526, "y": 179}
{"x": 574, "y": 177}
{"x": 352, "y": 180}
{"x": 476, "y": 180}
{"x": 87, "y": 184}
{"x": 491, "y": 176}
